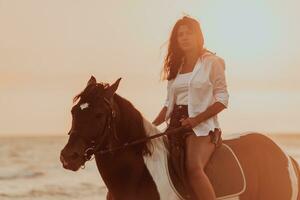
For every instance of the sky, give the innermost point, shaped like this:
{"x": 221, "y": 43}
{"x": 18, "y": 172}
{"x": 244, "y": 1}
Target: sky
{"x": 50, "y": 48}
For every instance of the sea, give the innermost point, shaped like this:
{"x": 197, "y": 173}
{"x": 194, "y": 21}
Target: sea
{"x": 30, "y": 169}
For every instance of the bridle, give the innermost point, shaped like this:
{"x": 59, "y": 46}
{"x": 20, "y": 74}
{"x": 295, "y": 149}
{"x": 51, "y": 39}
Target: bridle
{"x": 109, "y": 129}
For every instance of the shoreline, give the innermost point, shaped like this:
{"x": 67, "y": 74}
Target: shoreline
{"x": 40, "y": 136}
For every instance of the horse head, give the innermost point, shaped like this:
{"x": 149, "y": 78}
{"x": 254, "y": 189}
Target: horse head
{"x": 92, "y": 118}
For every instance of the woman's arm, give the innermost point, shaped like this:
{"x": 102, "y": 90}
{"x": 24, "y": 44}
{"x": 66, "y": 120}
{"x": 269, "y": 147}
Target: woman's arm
{"x": 162, "y": 114}
{"x": 208, "y": 113}
{"x": 161, "y": 117}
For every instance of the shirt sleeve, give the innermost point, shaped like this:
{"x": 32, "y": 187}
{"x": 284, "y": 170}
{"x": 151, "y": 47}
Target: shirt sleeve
{"x": 167, "y": 100}
{"x": 217, "y": 78}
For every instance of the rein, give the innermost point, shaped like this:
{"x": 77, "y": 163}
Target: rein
{"x": 135, "y": 142}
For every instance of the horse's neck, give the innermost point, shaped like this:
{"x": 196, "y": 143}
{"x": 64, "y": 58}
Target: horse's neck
{"x": 122, "y": 174}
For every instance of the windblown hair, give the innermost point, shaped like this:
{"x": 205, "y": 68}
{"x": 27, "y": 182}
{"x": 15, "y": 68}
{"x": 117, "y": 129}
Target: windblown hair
{"x": 174, "y": 57}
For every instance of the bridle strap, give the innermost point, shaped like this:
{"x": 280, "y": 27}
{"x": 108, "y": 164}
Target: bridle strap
{"x": 109, "y": 127}
{"x": 112, "y": 124}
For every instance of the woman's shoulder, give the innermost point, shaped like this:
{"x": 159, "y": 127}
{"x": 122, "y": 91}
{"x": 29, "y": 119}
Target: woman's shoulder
{"x": 212, "y": 59}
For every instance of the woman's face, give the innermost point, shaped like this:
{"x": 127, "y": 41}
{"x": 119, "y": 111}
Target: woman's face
{"x": 186, "y": 38}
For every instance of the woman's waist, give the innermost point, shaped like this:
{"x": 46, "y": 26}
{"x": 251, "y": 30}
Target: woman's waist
{"x": 181, "y": 108}
{"x": 209, "y": 124}
{"x": 179, "y": 112}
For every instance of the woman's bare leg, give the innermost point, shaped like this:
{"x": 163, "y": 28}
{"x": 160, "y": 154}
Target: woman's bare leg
{"x": 198, "y": 152}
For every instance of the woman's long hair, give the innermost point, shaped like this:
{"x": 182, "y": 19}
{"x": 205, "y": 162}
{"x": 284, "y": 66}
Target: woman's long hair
{"x": 175, "y": 55}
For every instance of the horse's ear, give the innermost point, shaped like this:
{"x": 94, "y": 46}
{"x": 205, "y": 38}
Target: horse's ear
{"x": 113, "y": 88}
{"x": 92, "y": 81}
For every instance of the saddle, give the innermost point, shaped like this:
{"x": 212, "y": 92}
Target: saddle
{"x": 223, "y": 170}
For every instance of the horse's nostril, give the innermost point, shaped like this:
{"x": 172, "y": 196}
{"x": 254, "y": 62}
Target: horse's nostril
{"x": 63, "y": 161}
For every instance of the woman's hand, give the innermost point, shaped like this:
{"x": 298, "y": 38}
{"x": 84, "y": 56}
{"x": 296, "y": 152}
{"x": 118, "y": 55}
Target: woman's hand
{"x": 189, "y": 122}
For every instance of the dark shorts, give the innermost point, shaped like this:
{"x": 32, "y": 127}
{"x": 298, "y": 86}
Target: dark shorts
{"x": 181, "y": 112}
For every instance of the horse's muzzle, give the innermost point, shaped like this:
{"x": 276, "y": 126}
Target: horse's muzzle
{"x": 63, "y": 161}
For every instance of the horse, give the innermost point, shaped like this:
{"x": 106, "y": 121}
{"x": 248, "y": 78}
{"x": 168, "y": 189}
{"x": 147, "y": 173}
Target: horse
{"x": 132, "y": 166}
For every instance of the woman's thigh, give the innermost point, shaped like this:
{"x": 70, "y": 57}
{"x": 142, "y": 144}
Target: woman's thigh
{"x": 198, "y": 151}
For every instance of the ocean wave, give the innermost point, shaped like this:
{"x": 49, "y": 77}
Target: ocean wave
{"x": 73, "y": 192}
{"x": 23, "y": 175}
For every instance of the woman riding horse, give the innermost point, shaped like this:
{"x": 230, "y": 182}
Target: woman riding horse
{"x": 196, "y": 93}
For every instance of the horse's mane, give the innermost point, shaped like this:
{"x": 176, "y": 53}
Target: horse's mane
{"x": 132, "y": 122}
{"x": 88, "y": 89}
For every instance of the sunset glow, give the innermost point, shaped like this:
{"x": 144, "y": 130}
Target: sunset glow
{"x": 49, "y": 50}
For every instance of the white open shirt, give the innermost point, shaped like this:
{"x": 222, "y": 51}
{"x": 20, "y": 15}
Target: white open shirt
{"x": 206, "y": 85}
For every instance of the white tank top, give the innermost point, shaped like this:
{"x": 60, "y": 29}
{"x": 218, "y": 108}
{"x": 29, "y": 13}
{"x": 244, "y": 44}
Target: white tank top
{"x": 181, "y": 88}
